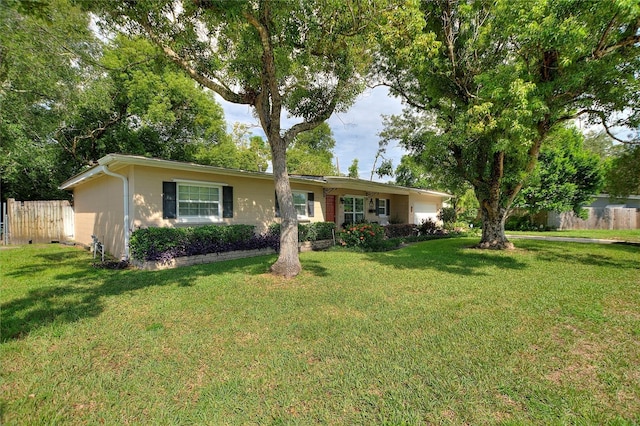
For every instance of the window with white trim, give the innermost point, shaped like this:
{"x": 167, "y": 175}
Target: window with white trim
{"x": 382, "y": 207}
{"x": 353, "y": 209}
{"x": 198, "y": 201}
{"x": 300, "y": 203}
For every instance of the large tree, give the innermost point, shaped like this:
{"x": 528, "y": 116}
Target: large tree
{"x": 40, "y": 43}
{"x": 566, "y": 177}
{"x": 305, "y": 58}
{"x": 73, "y": 98}
{"x": 492, "y": 79}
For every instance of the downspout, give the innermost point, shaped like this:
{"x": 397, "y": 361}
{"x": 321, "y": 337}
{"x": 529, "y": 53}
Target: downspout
{"x": 125, "y": 190}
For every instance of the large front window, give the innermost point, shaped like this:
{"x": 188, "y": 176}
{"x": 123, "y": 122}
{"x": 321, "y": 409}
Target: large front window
{"x": 353, "y": 209}
{"x": 198, "y": 201}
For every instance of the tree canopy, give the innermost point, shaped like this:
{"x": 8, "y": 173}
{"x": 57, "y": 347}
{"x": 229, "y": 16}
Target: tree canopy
{"x": 311, "y": 152}
{"x": 73, "y": 98}
{"x": 566, "y": 177}
{"x": 491, "y": 80}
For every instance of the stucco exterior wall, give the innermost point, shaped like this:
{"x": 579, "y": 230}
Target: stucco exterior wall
{"x": 253, "y": 198}
{"x": 98, "y": 207}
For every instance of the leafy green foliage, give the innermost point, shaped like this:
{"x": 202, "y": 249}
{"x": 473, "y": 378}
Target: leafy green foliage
{"x": 239, "y": 151}
{"x": 40, "y": 46}
{"x": 314, "y": 231}
{"x": 74, "y": 98}
{"x": 311, "y": 152}
{"x": 353, "y": 169}
{"x": 365, "y": 236}
{"x": 623, "y": 173}
{"x": 566, "y": 177}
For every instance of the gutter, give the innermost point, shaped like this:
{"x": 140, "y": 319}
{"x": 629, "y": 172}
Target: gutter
{"x": 125, "y": 203}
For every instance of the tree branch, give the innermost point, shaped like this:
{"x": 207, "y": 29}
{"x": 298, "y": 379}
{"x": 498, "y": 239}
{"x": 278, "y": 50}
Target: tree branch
{"x": 603, "y": 120}
{"x": 223, "y": 91}
{"x": 602, "y": 50}
{"x": 270, "y": 89}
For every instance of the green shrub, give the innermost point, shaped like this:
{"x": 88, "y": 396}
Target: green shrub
{"x": 314, "y": 231}
{"x": 367, "y": 236}
{"x": 448, "y": 215}
{"x": 166, "y": 243}
{"x": 520, "y": 223}
{"x": 427, "y": 227}
{"x": 151, "y": 240}
{"x": 400, "y": 230}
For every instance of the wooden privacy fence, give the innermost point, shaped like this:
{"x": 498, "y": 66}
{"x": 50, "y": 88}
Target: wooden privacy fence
{"x": 599, "y": 218}
{"x": 38, "y": 221}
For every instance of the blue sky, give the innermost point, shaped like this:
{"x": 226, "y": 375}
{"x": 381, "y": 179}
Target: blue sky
{"x": 355, "y": 131}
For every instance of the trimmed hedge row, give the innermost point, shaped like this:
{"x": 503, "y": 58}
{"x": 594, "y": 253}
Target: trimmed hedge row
{"x": 314, "y": 231}
{"x": 163, "y": 244}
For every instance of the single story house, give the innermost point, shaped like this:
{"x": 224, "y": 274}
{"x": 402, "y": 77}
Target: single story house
{"x": 125, "y": 192}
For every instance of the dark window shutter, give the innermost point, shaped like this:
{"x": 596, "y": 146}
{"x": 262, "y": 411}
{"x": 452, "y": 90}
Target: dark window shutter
{"x": 377, "y": 207}
{"x": 227, "y": 201}
{"x": 277, "y": 205}
{"x": 169, "y": 200}
{"x": 388, "y": 207}
{"x": 310, "y": 204}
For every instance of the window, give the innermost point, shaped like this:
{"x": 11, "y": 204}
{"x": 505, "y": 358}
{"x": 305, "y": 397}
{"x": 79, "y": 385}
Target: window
{"x": 353, "y": 209}
{"x": 198, "y": 201}
{"x": 303, "y": 203}
{"x": 382, "y": 207}
{"x": 300, "y": 203}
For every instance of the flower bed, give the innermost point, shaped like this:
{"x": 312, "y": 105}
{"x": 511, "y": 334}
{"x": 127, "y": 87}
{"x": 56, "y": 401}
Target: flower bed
{"x": 165, "y": 248}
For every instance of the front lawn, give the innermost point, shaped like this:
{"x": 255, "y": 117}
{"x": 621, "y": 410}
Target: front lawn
{"x": 629, "y": 235}
{"x": 433, "y": 333}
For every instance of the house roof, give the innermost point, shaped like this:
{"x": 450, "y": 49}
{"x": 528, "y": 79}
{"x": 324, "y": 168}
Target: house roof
{"x": 114, "y": 162}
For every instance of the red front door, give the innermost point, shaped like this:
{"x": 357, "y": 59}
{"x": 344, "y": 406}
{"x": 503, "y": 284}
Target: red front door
{"x": 331, "y": 208}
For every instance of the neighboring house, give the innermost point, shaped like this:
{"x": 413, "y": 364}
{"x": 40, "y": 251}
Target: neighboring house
{"x": 125, "y": 192}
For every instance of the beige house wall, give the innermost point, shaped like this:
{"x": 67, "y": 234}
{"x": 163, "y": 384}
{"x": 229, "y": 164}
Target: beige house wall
{"x": 253, "y": 198}
{"x": 98, "y": 207}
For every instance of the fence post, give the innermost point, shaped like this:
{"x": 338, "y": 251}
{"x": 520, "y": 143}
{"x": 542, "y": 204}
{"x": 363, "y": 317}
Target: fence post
{"x": 5, "y": 224}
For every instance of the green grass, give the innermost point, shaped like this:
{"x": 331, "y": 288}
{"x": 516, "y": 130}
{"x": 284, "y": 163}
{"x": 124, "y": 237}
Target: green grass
{"x": 629, "y": 235}
{"x": 435, "y": 333}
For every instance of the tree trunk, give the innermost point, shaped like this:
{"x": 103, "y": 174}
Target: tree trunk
{"x": 288, "y": 263}
{"x": 493, "y": 236}
{"x": 493, "y": 219}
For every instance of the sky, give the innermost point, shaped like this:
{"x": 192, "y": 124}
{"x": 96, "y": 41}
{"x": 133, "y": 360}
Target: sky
{"x": 355, "y": 131}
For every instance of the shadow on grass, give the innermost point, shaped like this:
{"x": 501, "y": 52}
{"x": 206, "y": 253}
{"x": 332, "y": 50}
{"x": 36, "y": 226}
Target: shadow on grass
{"x": 82, "y": 293}
{"x": 454, "y": 256}
{"x": 609, "y": 255}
